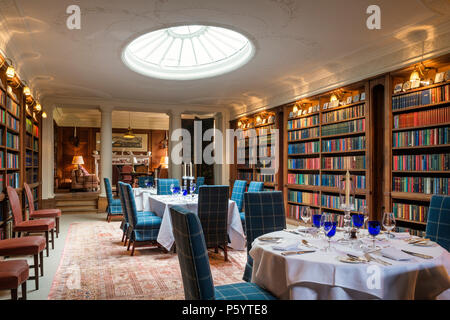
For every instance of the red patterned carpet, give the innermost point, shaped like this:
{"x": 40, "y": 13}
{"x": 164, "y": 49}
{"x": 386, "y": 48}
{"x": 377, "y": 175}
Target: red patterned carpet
{"x": 95, "y": 265}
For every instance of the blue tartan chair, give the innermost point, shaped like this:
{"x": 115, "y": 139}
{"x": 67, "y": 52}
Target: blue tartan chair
{"x": 237, "y": 194}
{"x": 252, "y": 187}
{"x": 213, "y": 215}
{"x": 194, "y": 264}
{"x": 144, "y": 228}
{"x": 264, "y": 213}
{"x": 438, "y": 223}
{"x": 200, "y": 182}
{"x": 163, "y": 187}
{"x": 114, "y": 207}
{"x": 142, "y": 181}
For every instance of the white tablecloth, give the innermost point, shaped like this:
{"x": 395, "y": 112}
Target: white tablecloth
{"x": 320, "y": 275}
{"x": 141, "y": 198}
{"x": 160, "y": 205}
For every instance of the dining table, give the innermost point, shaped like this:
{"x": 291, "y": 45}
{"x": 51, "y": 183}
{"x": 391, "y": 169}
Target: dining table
{"x": 293, "y": 265}
{"x": 161, "y": 204}
{"x": 141, "y": 198}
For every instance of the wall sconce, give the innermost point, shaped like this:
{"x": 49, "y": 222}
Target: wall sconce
{"x": 239, "y": 124}
{"x": 333, "y": 97}
{"x": 258, "y": 119}
{"x": 38, "y": 107}
{"x": 295, "y": 109}
{"x": 26, "y": 90}
{"x": 10, "y": 72}
{"x": 44, "y": 115}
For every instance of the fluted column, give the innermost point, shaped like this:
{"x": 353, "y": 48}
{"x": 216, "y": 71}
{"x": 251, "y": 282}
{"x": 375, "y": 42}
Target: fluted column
{"x": 218, "y": 124}
{"x": 106, "y": 147}
{"x": 175, "y": 170}
{"x": 47, "y": 152}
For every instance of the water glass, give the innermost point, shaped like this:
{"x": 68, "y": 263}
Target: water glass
{"x": 316, "y": 221}
{"x": 389, "y": 222}
{"x": 305, "y": 214}
{"x": 329, "y": 227}
{"x": 358, "y": 220}
{"x": 374, "y": 229}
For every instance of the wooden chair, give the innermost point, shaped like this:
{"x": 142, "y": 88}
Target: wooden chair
{"x": 13, "y": 274}
{"x": 45, "y": 226}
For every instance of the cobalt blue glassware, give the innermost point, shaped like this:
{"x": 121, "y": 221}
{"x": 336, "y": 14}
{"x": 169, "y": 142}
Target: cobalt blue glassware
{"x": 374, "y": 228}
{"x": 330, "y": 228}
{"x": 358, "y": 220}
{"x": 316, "y": 220}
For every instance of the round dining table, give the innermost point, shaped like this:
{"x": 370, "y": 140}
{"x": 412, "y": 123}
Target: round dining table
{"x": 281, "y": 265}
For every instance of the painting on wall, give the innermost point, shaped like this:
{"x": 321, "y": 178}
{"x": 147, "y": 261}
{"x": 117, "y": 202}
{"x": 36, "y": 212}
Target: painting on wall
{"x": 119, "y": 143}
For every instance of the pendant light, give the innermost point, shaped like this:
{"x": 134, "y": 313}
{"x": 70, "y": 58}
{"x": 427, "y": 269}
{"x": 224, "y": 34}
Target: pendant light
{"x": 129, "y": 134}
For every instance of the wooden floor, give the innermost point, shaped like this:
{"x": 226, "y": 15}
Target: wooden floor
{"x": 77, "y": 202}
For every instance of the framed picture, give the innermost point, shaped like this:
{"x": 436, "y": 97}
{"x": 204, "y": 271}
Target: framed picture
{"x": 334, "y": 104}
{"x": 310, "y": 109}
{"x": 415, "y": 84}
{"x": 325, "y": 106}
{"x": 439, "y": 77}
{"x": 447, "y": 75}
{"x": 349, "y": 100}
{"x": 362, "y": 97}
{"x": 356, "y": 98}
{"x": 398, "y": 88}
{"x": 407, "y": 86}
{"x": 119, "y": 143}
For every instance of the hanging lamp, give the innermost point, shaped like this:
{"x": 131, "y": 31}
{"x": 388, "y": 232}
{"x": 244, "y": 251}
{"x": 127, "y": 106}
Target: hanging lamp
{"x": 129, "y": 134}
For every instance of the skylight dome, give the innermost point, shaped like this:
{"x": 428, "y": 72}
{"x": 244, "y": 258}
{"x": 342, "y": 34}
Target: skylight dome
{"x": 188, "y": 52}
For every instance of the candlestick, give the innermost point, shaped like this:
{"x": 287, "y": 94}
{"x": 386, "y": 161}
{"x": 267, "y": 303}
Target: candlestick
{"x": 190, "y": 167}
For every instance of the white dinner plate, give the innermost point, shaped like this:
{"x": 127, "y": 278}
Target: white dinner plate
{"x": 346, "y": 259}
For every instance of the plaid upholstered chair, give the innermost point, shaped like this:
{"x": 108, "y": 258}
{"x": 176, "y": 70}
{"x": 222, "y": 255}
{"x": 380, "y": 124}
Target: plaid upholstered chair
{"x": 142, "y": 181}
{"x": 252, "y": 187}
{"x": 200, "y": 182}
{"x": 144, "y": 228}
{"x": 213, "y": 215}
{"x": 114, "y": 206}
{"x": 237, "y": 195}
{"x": 264, "y": 213}
{"x": 163, "y": 187}
{"x": 194, "y": 264}
{"x": 438, "y": 224}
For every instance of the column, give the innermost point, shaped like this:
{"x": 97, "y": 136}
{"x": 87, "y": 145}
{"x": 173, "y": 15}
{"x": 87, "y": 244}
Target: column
{"x": 47, "y": 154}
{"x": 175, "y": 170}
{"x": 105, "y": 147}
{"x": 218, "y": 125}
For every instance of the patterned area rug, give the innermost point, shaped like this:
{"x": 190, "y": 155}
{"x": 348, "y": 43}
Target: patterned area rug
{"x": 96, "y": 265}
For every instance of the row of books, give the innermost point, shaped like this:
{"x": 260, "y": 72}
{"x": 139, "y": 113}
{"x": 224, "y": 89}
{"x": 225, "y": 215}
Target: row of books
{"x": 344, "y": 127}
{"x": 1, "y": 136}
{"x": 331, "y": 180}
{"x": 422, "y": 118}
{"x": 12, "y": 180}
{"x": 12, "y": 140}
{"x": 13, "y": 107}
{"x": 344, "y": 144}
{"x": 305, "y": 147}
{"x": 304, "y": 163}
{"x": 29, "y": 125}
{"x": 264, "y": 177}
{"x": 422, "y": 162}
{"x": 36, "y": 131}
{"x": 424, "y": 137}
{"x": 423, "y": 97}
{"x": 334, "y": 202}
{"x": 311, "y": 198}
{"x": 339, "y": 218}
{"x": 36, "y": 145}
{"x": 410, "y": 211}
{"x": 28, "y": 158}
{"x": 304, "y": 179}
{"x": 243, "y": 175}
{"x": 3, "y": 116}
{"x": 294, "y": 211}
{"x": 36, "y": 160}
{"x": 303, "y": 123}
{"x": 12, "y": 122}
{"x": 265, "y": 130}
{"x": 266, "y": 151}
{"x": 304, "y": 134}
{"x": 340, "y": 163}
{"x": 344, "y": 114}
{"x": 2, "y": 160}
{"x": 2, "y": 97}
{"x": 425, "y": 185}
{"x": 412, "y": 232}
{"x": 12, "y": 161}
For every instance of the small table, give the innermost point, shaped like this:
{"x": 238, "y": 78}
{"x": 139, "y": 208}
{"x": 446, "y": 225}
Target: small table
{"x": 160, "y": 205}
{"x": 320, "y": 275}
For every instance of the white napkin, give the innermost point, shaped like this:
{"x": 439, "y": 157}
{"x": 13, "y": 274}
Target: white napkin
{"x": 344, "y": 250}
{"x": 395, "y": 254}
{"x": 288, "y": 246}
{"x": 401, "y": 235}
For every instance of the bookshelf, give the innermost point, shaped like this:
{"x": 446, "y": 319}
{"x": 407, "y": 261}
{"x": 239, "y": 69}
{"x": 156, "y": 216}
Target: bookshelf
{"x": 420, "y": 144}
{"x": 257, "y": 137}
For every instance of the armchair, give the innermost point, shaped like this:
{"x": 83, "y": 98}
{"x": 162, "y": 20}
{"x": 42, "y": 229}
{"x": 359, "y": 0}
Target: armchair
{"x": 81, "y": 179}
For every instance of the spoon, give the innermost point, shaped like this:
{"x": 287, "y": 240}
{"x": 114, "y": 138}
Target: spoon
{"x": 306, "y": 243}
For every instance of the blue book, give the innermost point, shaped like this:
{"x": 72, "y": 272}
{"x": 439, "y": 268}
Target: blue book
{"x": 426, "y": 97}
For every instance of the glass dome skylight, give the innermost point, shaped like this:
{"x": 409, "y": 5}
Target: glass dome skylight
{"x": 188, "y": 52}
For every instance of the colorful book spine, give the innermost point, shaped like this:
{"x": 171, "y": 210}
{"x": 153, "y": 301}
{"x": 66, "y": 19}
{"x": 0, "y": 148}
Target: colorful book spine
{"x": 306, "y": 147}
{"x": 294, "y": 211}
{"x": 422, "y": 162}
{"x": 12, "y": 140}
{"x": 309, "y": 198}
{"x": 410, "y": 212}
{"x": 269, "y": 178}
{"x": 412, "y": 232}
{"x": 346, "y": 144}
{"x": 422, "y": 118}
{"x": 426, "y": 185}
{"x": 331, "y": 180}
{"x": 344, "y": 114}
{"x": 304, "y": 179}
{"x": 3, "y": 116}
{"x": 420, "y": 98}
{"x": 338, "y": 163}
{"x": 12, "y": 161}
{"x": 304, "y": 134}
{"x": 344, "y": 127}
{"x": 303, "y": 122}
{"x": 425, "y": 137}
{"x": 12, "y": 180}
{"x": 29, "y": 126}
{"x": 12, "y": 122}
{"x": 2, "y": 160}
{"x": 36, "y": 131}
{"x": 304, "y": 163}
{"x": 334, "y": 202}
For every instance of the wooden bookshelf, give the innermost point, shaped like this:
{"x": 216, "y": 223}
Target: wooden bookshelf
{"x": 412, "y": 142}
{"x": 263, "y": 123}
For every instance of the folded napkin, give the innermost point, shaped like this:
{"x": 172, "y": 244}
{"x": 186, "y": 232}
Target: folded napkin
{"x": 395, "y": 254}
{"x": 401, "y": 235}
{"x": 288, "y": 246}
{"x": 344, "y": 250}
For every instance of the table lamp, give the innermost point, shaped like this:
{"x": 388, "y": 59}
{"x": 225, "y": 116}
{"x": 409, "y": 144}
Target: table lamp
{"x": 78, "y": 160}
{"x": 164, "y": 162}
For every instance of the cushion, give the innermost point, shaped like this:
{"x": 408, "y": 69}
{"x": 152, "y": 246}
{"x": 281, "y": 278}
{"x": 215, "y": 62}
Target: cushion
{"x": 116, "y": 202}
{"x": 22, "y": 246}
{"x": 147, "y": 222}
{"x": 237, "y": 195}
{"x": 46, "y": 213}
{"x": 35, "y": 225}
{"x": 242, "y": 291}
{"x": 13, "y": 273}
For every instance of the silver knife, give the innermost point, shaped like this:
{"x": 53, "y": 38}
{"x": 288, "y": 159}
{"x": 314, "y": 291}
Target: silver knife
{"x": 288, "y": 253}
{"x": 420, "y": 255}
{"x": 370, "y": 258}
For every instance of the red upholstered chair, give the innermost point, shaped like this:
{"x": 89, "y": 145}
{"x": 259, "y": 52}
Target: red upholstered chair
{"x": 43, "y": 213}
{"x": 13, "y": 274}
{"x": 24, "y": 246}
{"x": 126, "y": 174}
{"x": 35, "y": 226}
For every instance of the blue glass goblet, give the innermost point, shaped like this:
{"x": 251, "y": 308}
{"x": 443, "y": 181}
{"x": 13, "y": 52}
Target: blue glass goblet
{"x": 329, "y": 227}
{"x": 358, "y": 220}
{"x": 374, "y": 230}
{"x": 316, "y": 221}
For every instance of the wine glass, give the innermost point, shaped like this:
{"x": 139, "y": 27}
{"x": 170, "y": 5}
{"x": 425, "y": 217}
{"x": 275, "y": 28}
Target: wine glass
{"x": 374, "y": 230}
{"x": 193, "y": 186}
{"x": 358, "y": 220}
{"x": 305, "y": 214}
{"x": 329, "y": 228}
{"x": 316, "y": 222}
{"x": 185, "y": 191}
{"x": 364, "y": 211}
{"x": 323, "y": 218}
{"x": 172, "y": 189}
{"x": 389, "y": 222}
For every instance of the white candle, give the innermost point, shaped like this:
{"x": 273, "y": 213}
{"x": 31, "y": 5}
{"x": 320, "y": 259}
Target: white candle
{"x": 190, "y": 166}
{"x": 347, "y": 188}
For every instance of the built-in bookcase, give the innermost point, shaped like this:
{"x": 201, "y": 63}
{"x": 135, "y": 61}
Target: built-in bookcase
{"x": 322, "y": 133}
{"x": 420, "y": 143}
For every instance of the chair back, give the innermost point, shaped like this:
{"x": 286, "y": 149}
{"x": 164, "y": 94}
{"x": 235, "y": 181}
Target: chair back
{"x": 108, "y": 189}
{"x": 237, "y": 194}
{"x": 255, "y": 186}
{"x": 164, "y": 186}
{"x": 200, "y": 182}
{"x": 192, "y": 255}
{"x": 213, "y": 214}
{"x": 438, "y": 222}
{"x": 264, "y": 213}
{"x": 142, "y": 181}
{"x": 14, "y": 202}
{"x": 30, "y": 198}
{"x": 127, "y": 169}
{"x": 122, "y": 200}
{"x": 130, "y": 204}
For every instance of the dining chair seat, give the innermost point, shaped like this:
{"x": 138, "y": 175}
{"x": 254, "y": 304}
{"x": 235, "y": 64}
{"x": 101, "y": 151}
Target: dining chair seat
{"x": 242, "y": 291}
{"x": 46, "y": 213}
{"x": 14, "y": 273}
{"x": 35, "y": 225}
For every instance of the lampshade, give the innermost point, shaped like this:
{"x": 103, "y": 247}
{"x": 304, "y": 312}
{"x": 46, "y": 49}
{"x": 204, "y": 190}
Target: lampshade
{"x": 333, "y": 97}
{"x": 78, "y": 160}
{"x": 295, "y": 109}
{"x": 414, "y": 76}
{"x": 38, "y": 107}
{"x": 26, "y": 91}
{"x": 10, "y": 72}
{"x": 164, "y": 162}
{"x": 129, "y": 134}
{"x": 44, "y": 115}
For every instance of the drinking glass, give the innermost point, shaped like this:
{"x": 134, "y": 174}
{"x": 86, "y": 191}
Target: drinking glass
{"x": 389, "y": 222}
{"x": 365, "y": 212}
{"x": 172, "y": 189}
{"x": 329, "y": 227}
{"x": 185, "y": 191}
{"x": 358, "y": 220}
{"x": 374, "y": 230}
{"x": 323, "y": 218}
{"x": 193, "y": 185}
{"x": 305, "y": 213}
{"x": 316, "y": 222}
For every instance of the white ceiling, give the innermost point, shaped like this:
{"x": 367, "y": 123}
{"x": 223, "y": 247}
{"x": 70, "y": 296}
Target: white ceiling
{"x": 302, "y": 47}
